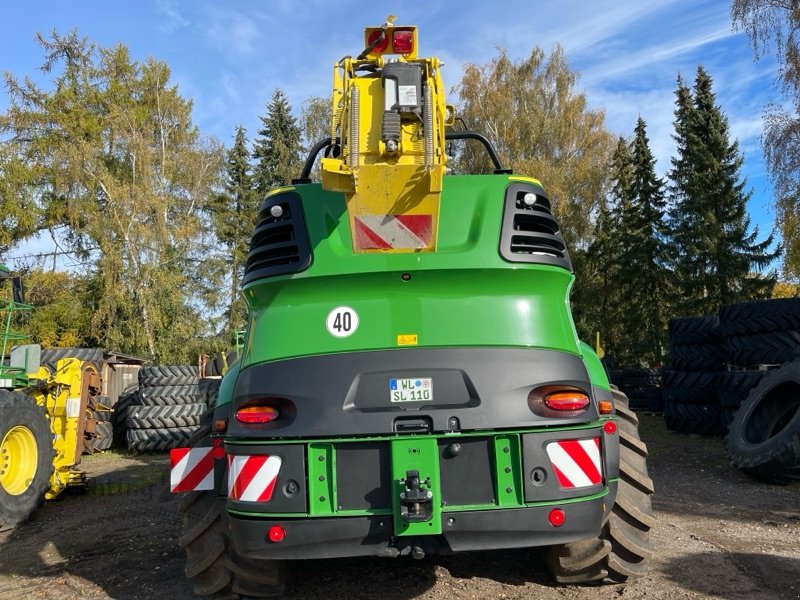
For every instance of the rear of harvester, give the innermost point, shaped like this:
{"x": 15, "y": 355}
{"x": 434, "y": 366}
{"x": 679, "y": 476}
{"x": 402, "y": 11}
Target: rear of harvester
{"x": 411, "y": 381}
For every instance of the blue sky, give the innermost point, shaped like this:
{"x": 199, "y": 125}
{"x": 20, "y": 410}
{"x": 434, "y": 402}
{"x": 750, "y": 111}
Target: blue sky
{"x": 230, "y": 56}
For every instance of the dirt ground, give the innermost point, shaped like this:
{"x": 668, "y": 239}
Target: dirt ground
{"x": 720, "y": 534}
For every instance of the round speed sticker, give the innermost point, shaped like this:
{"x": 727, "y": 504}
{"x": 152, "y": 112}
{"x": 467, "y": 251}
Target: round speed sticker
{"x": 342, "y": 321}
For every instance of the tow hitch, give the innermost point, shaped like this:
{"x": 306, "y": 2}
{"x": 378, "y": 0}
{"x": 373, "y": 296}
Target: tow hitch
{"x": 416, "y": 504}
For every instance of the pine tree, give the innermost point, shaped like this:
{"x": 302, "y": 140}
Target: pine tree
{"x": 716, "y": 253}
{"x": 643, "y": 271}
{"x": 233, "y": 215}
{"x": 603, "y": 302}
{"x": 277, "y": 149}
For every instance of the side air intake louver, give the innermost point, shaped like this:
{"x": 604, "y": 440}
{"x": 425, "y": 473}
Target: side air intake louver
{"x": 530, "y": 232}
{"x": 280, "y": 242}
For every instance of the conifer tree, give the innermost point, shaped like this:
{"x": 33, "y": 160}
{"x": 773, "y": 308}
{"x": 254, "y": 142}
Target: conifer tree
{"x": 600, "y": 294}
{"x": 643, "y": 275}
{"x": 233, "y": 215}
{"x": 277, "y": 148}
{"x": 717, "y": 257}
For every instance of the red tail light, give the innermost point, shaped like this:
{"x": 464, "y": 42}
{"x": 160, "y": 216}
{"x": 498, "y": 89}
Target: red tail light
{"x": 402, "y": 41}
{"x": 558, "y": 401}
{"x": 380, "y": 48}
{"x": 257, "y": 413}
{"x": 566, "y": 401}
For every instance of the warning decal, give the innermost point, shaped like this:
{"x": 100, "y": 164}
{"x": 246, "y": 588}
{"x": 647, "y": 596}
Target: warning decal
{"x": 393, "y": 232}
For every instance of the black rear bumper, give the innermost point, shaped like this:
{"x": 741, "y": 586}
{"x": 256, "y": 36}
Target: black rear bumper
{"x": 461, "y": 531}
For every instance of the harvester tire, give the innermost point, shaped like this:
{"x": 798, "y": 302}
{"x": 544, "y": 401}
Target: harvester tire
{"x": 158, "y": 440}
{"x": 52, "y": 355}
{"x": 161, "y": 395}
{"x": 760, "y": 316}
{"x": 208, "y": 391}
{"x": 764, "y": 437}
{"x": 165, "y": 417}
{"x": 694, "y": 330}
{"x": 168, "y": 375}
{"x": 775, "y": 347}
{"x": 119, "y": 418}
{"x": 105, "y": 436}
{"x": 26, "y": 457}
{"x": 623, "y": 548}
{"x": 694, "y": 417}
{"x": 211, "y": 562}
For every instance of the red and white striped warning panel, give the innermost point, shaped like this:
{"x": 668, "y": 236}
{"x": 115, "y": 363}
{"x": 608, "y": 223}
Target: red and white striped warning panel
{"x": 576, "y": 463}
{"x": 252, "y": 478}
{"x": 191, "y": 469}
{"x": 393, "y": 232}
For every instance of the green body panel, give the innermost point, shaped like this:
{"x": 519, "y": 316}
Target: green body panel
{"x": 508, "y": 470}
{"x": 321, "y": 479}
{"x": 463, "y": 295}
{"x": 225, "y": 394}
{"x": 597, "y": 374}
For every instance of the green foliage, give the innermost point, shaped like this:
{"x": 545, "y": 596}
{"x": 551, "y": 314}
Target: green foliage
{"x": 233, "y": 214}
{"x": 316, "y": 125}
{"x": 599, "y": 303}
{"x": 113, "y": 157}
{"x": 277, "y": 147}
{"x": 63, "y": 305}
{"x": 540, "y": 127}
{"x": 716, "y": 254}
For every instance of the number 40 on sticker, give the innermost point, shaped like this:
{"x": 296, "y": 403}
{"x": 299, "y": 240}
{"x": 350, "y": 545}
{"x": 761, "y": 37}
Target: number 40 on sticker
{"x": 342, "y": 321}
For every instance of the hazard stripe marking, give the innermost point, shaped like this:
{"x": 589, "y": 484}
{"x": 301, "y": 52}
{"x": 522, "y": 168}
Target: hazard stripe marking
{"x": 576, "y": 463}
{"x": 252, "y": 478}
{"x": 386, "y": 232}
{"x": 191, "y": 469}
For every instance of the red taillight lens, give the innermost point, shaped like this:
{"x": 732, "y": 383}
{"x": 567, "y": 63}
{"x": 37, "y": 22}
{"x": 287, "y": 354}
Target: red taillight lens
{"x": 382, "y": 45}
{"x": 403, "y": 42}
{"x": 257, "y": 413}
{"x": 566, "y": 401}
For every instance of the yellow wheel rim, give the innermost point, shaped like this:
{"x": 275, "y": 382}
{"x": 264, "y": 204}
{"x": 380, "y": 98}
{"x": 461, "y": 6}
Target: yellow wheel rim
{"x": 18, "y": 459}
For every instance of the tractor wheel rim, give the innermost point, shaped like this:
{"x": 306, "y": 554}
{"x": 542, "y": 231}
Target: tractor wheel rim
{"x": 18, "y": 459}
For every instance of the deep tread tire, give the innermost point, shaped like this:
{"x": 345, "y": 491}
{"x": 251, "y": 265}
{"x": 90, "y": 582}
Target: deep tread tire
{"x": 161, "y": 395}
{"x": 165, "y": 417}
{"x": 19, "y": 409}
{"x": 158, "y": 440}
{"x": 105, "y": 436}
{"x": 168, "y": 375}
{"x": 694, "y": 330}
{"x": 119, "y": 418}
{"x": 703, "y": 419}
{"x": 53, "y": 355}
{"x": 763, "y": 348}
{"x": 698, "y": 357}
{"x": 208, "y": 389}
{"x": 691, "y": 387}
{"x": 211, "y": 562}
{"x": 760, "y": 316}
{"x": 623, "y": 548}
{"x": 764, "y": 437}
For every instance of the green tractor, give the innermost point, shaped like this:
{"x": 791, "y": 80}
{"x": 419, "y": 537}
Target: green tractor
{"x": 411, "y": 380}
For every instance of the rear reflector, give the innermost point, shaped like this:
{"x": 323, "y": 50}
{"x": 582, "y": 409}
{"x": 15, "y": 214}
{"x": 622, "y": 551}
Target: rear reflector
{"x": 257, "y": 414}
{"x": 276, "y": 533}
{"x": 557, "y": 517}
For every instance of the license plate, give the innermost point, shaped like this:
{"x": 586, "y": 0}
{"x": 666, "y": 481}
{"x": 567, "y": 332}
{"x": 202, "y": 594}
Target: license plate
{"x": 411, "y": 390}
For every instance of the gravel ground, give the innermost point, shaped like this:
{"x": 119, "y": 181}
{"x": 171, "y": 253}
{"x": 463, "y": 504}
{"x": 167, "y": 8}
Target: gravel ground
{"x": 719, "y": 534}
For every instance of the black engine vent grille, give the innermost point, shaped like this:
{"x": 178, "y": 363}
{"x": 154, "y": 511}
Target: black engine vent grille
{"x": 280, "y": 242}
{"x": 530, "y": 233}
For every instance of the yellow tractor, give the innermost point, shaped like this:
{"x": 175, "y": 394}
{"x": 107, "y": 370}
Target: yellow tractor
{"x": 44, "y": 417}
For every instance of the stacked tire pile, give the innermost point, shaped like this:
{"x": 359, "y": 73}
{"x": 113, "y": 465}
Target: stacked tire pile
{"x": 165, "y": 410}
{"x": 641, "y": 386}
{"x": 690, "y": 387}
{"x": 761, "y": 391}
